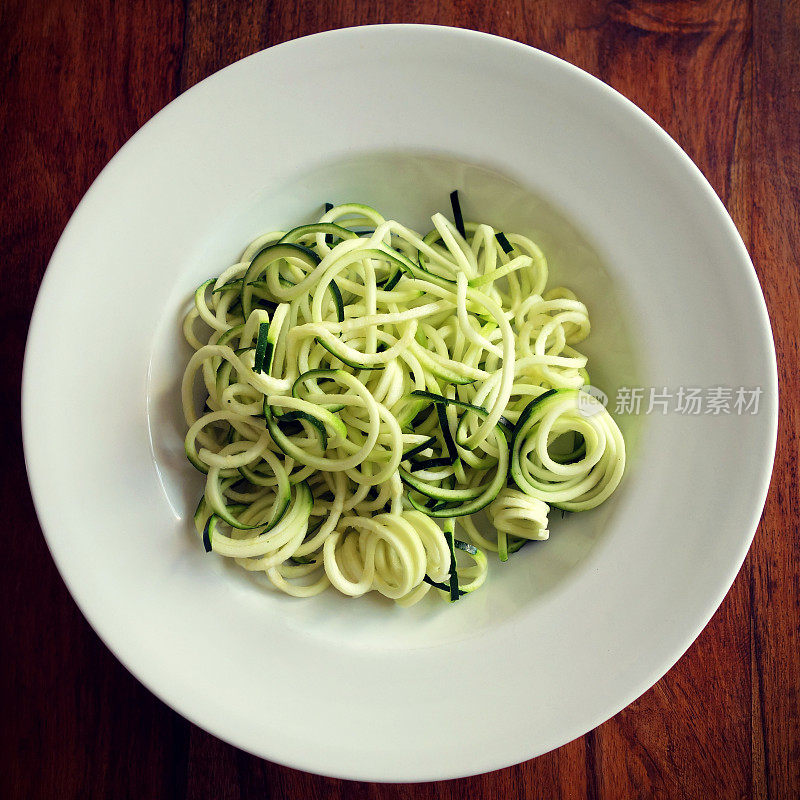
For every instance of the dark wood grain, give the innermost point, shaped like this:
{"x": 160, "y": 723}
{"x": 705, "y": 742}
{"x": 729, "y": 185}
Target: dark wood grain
{"x": 775, "y": 558}
{"x": 722, "y": 77}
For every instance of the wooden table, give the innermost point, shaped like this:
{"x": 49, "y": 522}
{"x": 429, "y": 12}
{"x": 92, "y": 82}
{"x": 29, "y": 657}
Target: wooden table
{"x": 722, "y": 77}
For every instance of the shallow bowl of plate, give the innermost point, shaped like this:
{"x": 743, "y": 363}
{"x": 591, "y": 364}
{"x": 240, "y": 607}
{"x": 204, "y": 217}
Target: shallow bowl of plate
{"x": 566, "y": 633}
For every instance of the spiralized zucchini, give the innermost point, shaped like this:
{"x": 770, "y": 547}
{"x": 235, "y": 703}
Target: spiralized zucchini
{"x": 367, "y": 391}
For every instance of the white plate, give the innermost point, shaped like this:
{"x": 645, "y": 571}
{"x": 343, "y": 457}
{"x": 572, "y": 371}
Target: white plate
{"x": 568, "y": 632}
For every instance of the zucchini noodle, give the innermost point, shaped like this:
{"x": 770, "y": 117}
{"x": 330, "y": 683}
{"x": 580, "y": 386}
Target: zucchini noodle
{"x": 368, "y": 390}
